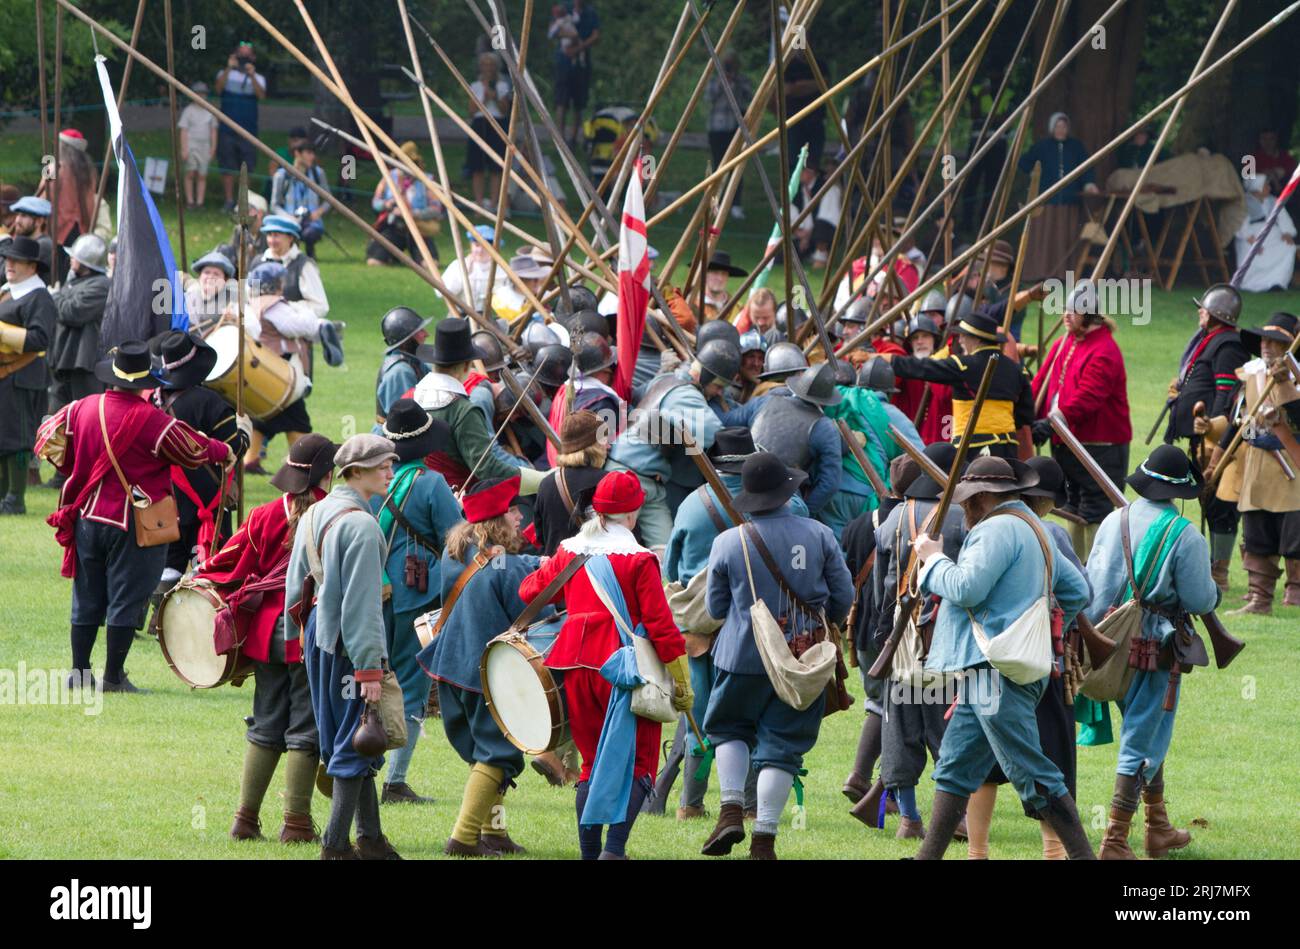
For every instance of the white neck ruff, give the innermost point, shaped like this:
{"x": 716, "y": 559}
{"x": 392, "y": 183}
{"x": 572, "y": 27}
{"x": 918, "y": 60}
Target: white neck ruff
{"x": 593, "y": 539}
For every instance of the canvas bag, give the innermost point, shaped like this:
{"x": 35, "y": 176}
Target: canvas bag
{"x": 1110, "y": 682}
{"x": 689, "y": 605}
{"x": 1023, "y": 651}
{"x": 653, "y": 699}
{"x": 798, "y": 682}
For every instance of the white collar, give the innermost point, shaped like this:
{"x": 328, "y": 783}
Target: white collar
{"x": 438, "y": 390}
{"x": 613, "y": 539}
{"x": 587, "y": 382}
{"x": 293, "y": 252}
{"x": 23, "y": 287}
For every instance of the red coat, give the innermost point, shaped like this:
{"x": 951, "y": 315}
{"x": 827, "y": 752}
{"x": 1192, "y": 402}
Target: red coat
{"x": 256, "y": 553}
{"x": 1087, "y": 374}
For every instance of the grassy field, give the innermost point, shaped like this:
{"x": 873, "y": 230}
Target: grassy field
{"x": 158, "y": 775}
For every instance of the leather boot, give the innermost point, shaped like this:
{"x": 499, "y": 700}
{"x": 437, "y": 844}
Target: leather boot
{"x": 1292, "y": 595}
{"x": 500, "y": 844}
{"x": 909, "y": 829}
{"x": 961, "y": 834}
{"x": 246, "y": 826}
{"x": 455, "y": 848}
{"x": 945, "y": 815}
{"x": 1161, "y": 835}
{"x": 729, "y": 831}
{"x": 329, "y": 853}
{"x": 1219, "y": 571}
{"x": 868, "y": 807}
{"x": 762, "y": 847}
{"x": 1114, "y": 842}
{"x": 1262, "y": 573}
{"x": 1062, "y": 816}
{"x": 402, "y": 793}
{"x": 376, "y": 848}
{"x": 298, "y": 829}
{"x": 549, "y": 766}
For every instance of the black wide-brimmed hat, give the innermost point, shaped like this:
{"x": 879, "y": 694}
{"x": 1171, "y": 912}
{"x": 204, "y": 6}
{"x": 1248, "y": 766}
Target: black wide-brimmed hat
{"x": 413, "y": 431}
{"x": 721, "y": 260}
{"x": 984, "y": 324}
{"x": 452, "y": 344}
{"x": 992, "y": 475}
{"x": 24, "y": 248}
{"x": 923, "y": 487}
{"x": 1280, "y": 327}
{"x": 766, "y": 483}
{"x": 128, "y": 367}
{"x": 310, "y": 459}
{"x": 730, "y": 448}
{"x": 1167, "y": 473}
{"x": 1051, "y": 479}
{"x": 182, "y": 360}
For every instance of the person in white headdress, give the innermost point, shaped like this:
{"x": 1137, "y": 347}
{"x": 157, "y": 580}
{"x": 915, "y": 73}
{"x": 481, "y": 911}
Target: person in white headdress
{"x": 1274, "y": 264}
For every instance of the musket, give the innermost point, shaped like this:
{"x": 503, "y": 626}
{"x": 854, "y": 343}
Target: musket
{"x": 241, "y": 275}
{"x": 908, "y": 600}
{"x": 710, "y": 474}
{"x": 1226, "y": 646}
{"x": 850, "y": 439}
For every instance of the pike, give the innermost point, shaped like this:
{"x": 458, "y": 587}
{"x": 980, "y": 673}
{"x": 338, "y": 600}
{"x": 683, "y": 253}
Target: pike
{"x": 121, "y": 90}
{"x": 1099, "y": 647}
{"x": 908, "y": 600}
{"x": 1226, "y": 646}
{"x": 530, "y": 407}
{"x": 860, "y": 456}
{"x": 710, "y": 474}
{"x": 176, "y": 132}
{"x": 241, "y": 275}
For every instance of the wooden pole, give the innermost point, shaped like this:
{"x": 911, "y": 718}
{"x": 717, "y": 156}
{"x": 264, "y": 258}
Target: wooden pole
{"x": 176, "y": 138}
{"x": 40, "y": 79}
{"x": 783, "y": 162}
{"x": 121, "y": 97}
{"x": 55, "y": 250}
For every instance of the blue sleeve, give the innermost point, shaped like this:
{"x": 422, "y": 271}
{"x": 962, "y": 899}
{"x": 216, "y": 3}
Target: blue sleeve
{"x": 827, "y": 470}
{"x": 393, "y": 384}
{"x": 1197, "y": 592}
{"x": 446, "y": 512}
{"x": 1027, "y": 160}
{"x": 1106, "y": 572}
{"x": 718, "y": 589}
{"x": 967, "y": 582}
{"x": 838, "y": 579}
{"x": 743, "y": 415}
{"x": 898, "y": 418}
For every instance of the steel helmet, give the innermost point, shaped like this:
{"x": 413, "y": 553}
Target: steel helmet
{"x": 857, "y": 312}
{"x": 816, "y": 384}
{"x": 933, "y": 302}
{"x": 716, "y": 329}
{"x": 845, "y": 374}
{"x": 552, "y": 362}
{"x": 1223, "y": 302}
{"x": 90, "y": 251}
{"x": 877, "y": 374}
{"x": 959, "y": 307}
{"x": 580, "y": 297}
{"x": 594, "y": 353}
{"x": 401, "y": 323}
{"x": 720, "y": 360}
{"x": 539, "y": 335}
{"x": 487, "y": 344}
{"x": 587, "y": 321}
{"x": 783, "y": 359}
{"x": 752, "y": 340}
{"x": 923, "y": 323}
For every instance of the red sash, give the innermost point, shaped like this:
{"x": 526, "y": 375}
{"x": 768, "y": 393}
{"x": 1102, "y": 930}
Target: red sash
{"x": 207, "y": 512}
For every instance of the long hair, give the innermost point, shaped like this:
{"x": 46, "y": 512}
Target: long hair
{"x": 298, "y": 504}
{"x": 483, "y": 535}
{"x": 593, "y": 456}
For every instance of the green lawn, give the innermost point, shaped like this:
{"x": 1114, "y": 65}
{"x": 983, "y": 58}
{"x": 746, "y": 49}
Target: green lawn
{"x": 158, "y": 775}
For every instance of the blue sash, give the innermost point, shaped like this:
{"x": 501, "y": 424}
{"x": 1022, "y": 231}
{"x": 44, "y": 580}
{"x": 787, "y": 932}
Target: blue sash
{"x": 610, "y": 787}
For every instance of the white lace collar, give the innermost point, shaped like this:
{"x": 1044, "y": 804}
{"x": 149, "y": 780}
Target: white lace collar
{"x": 437, "y": 390}
{"x": 591, "y": 539}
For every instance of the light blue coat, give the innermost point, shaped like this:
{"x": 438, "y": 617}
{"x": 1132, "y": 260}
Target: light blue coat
{"x": 684, "y": 405}
{"x": 432, "y": 509}
{"x": 998, "y": 575}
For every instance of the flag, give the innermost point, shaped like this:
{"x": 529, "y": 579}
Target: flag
{"x": 146, "y": 296}
{"x": 775, "y": 237}
{"x": 1278, "y": 205}
{"x": 633, "y": 284}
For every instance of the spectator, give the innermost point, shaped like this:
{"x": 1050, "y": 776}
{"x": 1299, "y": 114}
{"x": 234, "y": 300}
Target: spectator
{"x": 1054, "y": 231}
{"x": 477, "y": 264}
{"x": 573, "y": 65}
{"x": 722, "y": 118}
{"x": 800, "y": 90}
{"x": 292, "y": 198}
{"x": 198, "y": 147}
{"x": 1275, "y": 261}
{"x": 424, "y": 209}
{"x": 76, "y": 197}
{"x": 494, "y": 93}
{"x": 240, "y": 85}
{"x": 812, "y": 239}
{"x": 1135, "y": 152}
{"x": 1272, "y": 160}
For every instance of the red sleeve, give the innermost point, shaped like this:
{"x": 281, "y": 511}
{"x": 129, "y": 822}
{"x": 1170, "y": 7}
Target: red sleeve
{"x": 184, "y": 446}
{"x": 536, "y": 581}
{"x": 655, "y": 614}
{"x": 1091, "y": 392}
{"x": 1048, "y": 363}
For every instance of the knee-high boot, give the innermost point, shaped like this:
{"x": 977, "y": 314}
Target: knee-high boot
{"x": 1114, "y": 843}
{"x": 1161, "y": 835}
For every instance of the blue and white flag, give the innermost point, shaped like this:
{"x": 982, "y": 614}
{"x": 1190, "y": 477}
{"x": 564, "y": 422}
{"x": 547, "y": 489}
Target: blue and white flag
{"x": 146, "y": 296}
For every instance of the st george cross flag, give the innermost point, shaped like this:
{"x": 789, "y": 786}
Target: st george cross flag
{"x": 633, "y": 284}
{"x": 146, "y": 296}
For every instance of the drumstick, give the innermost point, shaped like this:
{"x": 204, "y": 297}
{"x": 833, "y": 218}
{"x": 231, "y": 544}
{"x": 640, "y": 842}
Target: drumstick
{"x": 690, "y": 717}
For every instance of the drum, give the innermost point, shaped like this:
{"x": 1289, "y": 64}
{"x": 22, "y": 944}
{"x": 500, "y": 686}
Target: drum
{"x": 189, "y": 612}
{"x": 271, "y": 383}
{"x": 523, "y": 696}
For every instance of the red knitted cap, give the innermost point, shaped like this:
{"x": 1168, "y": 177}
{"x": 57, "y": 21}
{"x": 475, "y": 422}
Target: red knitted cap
{"x": 618, "y": 493}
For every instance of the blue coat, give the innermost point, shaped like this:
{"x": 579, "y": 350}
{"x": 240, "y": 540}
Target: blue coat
{"x": 485, "y": 609}
{"x": 432, "y": 510}
{"x": 685, "y": 405}
{"x": 998, "y": 575}
{"x": 694, "y": 531}
{"x": 824, "y": 470}
{"x": 400, "y": 378}
{"x": 812, "y": 563}
{"x": 1183, "y": 582}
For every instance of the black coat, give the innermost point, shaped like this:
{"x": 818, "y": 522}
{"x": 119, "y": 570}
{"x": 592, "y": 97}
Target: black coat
{"x": 207, "y": 412}
{"x": 1211, "y": 379}
{"x": 551, "y": 517}
{"x": 80, "y": 307}
{"x": 22, "y": 393}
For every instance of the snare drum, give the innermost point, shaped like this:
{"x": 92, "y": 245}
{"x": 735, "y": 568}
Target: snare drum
{"x": 189, "y": 612}
{"x": 271, "y": 383}
{"x": 521, "y": 693}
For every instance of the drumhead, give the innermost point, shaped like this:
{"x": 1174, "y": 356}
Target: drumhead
{"x": 518, "y": 696}
{"x": 225, "y": 340}
{"x": 186, "y": 636}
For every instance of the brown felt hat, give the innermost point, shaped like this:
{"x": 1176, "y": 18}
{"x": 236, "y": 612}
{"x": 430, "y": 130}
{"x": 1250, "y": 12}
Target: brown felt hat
{"x": 993, "y": 475}
{"x": 580, "y": 431}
